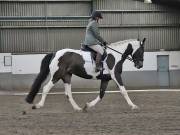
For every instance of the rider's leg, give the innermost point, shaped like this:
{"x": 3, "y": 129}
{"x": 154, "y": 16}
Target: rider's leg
{"x": 99, "y": 49}
{"x": 98, "y": 62}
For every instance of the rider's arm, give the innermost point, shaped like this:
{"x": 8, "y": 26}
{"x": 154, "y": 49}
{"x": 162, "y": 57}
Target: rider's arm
{"x": 95, "y": 31}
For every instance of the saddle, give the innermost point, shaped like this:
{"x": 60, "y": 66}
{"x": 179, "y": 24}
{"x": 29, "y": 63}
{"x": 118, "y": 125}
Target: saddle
{"x": 93, "y": 53}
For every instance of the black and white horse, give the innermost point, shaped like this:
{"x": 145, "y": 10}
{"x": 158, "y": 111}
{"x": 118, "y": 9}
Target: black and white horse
{"x": 66, "y": 62}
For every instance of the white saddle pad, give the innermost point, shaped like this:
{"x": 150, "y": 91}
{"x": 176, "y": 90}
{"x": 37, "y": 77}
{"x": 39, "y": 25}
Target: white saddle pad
{"x": 86, "y": 56}
{"x": 90, "y": 62}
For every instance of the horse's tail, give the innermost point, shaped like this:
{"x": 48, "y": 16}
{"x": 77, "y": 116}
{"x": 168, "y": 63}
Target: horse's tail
{"x": 44, "y": 71}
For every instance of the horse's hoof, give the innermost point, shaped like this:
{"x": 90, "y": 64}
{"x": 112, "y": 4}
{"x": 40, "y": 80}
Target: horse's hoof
{"x": 78, "y": 109}
{"x": 85, "y": 109}
{"x": 24, "y": 112}
{"x": 28, "y": 100}
{"x": 34, "y": 107}
{"x": 135, "y": 107}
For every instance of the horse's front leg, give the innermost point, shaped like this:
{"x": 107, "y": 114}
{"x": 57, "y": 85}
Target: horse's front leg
{"x": 123, "y": 91}
{"x": 125, "y": 95}
{"x": 103, "y": 87}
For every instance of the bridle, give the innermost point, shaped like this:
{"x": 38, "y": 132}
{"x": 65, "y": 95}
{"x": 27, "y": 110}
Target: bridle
{"x": 129, "y": 58}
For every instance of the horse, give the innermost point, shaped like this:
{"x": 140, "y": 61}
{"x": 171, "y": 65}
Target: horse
{"x": 67, "y": 62}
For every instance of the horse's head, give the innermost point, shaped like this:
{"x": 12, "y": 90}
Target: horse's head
{"x": 138, "y": 55}
{"x": 132, "y": 47}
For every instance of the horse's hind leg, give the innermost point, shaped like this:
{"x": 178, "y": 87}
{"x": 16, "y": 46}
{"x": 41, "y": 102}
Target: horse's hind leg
{"x": 45, "y": 91}
{"x": 68, "y": 93}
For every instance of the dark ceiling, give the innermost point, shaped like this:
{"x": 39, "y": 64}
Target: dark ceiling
{"x": 174, "y": 3}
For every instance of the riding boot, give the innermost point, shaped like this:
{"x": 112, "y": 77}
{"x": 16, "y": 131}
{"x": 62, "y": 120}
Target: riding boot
{"x": 98, "y": 62}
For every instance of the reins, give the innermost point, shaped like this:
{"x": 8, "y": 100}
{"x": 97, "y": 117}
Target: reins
{"x": 119, "y": 52}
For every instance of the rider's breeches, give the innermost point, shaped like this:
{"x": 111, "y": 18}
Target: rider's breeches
{"x": 97, "y": 48}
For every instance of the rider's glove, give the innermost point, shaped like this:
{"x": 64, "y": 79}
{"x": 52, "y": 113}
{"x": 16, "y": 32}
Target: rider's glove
{"x": 105, "y": 43}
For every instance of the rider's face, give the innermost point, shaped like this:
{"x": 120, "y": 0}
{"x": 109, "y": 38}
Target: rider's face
{"x": 97, "y": 19}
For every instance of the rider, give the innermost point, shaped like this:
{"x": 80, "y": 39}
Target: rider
{"x": 93, "y": 38}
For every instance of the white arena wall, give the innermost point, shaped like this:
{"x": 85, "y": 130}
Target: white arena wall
{"x": 19, "y": 71}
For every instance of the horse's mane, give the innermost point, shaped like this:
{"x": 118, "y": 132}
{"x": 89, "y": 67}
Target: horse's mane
{"x": 122, "y": 42}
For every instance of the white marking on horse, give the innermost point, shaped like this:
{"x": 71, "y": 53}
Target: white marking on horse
{"x": 69, "y": 94}
{"x": 94, "y": 102}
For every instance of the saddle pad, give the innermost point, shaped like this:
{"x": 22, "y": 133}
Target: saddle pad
{"x": 86, "y": 56}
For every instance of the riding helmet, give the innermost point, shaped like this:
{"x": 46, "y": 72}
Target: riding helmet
{"x": 96, "y": 14}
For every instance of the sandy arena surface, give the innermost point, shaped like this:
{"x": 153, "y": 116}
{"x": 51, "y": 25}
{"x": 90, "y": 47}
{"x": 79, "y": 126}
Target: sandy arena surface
{"x": 159, "y": 114}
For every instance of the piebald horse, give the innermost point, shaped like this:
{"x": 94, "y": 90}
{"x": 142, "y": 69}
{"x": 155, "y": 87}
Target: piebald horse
{"x": 66, "y": 62}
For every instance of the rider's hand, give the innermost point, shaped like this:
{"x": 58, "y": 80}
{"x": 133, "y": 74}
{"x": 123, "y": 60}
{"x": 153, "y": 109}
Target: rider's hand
{"x": 105, "y": 43}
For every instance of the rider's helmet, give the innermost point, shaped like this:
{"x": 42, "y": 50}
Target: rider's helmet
{"x": 96, "y": 14}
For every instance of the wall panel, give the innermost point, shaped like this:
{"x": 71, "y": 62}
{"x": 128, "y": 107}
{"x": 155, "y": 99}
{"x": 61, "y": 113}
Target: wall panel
{"x": 43, "y": 26}
{"x": 40, "y": 40}
{"x": 157, "y": 38}
{"x": 43, "y": 8}
{"x": 124, "y": 5}
{"x": 140, "y": 18}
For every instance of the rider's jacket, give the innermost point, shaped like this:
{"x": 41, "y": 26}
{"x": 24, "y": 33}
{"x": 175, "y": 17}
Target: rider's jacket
{"x": 92, "y": 36}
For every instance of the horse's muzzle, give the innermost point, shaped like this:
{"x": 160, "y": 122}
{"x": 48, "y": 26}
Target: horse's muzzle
{"x": 138, "y": 64}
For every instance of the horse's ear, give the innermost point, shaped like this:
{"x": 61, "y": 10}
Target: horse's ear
{"x": 129, "y": 48}
{"x": 144, "y": 40}
{"x": 142, "y": 43}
